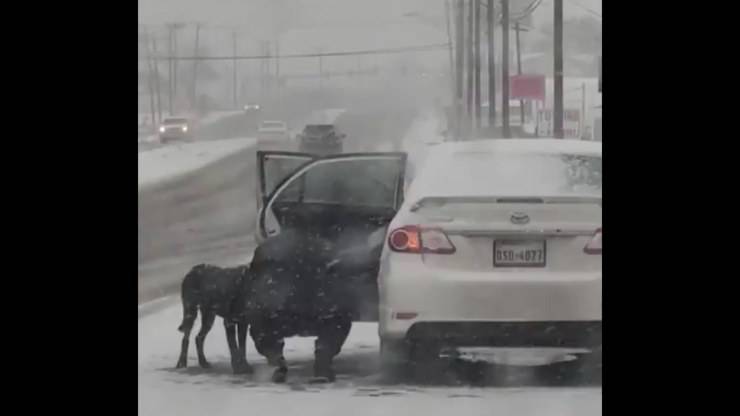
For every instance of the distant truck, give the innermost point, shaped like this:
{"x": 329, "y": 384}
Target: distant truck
{"x": 321, "y": 139}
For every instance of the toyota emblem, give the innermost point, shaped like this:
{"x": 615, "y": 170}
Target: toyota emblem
{"x": 519, "y": 218}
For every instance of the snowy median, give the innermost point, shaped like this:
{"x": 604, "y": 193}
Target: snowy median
{"x": 169, "y": 162}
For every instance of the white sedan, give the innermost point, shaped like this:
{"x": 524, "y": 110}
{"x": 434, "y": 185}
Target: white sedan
{"x": 273, "y": 131}
{"x": 497, "y": 244}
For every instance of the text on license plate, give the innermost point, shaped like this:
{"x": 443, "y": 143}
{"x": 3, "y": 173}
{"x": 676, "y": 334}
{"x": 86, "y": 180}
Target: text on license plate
{"x": 519, "y": 253}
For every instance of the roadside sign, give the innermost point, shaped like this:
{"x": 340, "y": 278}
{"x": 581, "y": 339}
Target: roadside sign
{"x": 571, "y": 123}
{"x": 527, "y": 87}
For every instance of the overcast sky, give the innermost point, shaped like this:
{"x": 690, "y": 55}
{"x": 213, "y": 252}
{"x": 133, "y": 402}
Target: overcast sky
{"x": 306, "y": 26}
{"x": 257, "y": 14}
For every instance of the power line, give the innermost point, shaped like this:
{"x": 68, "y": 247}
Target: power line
{"x": 585, "y": 8}
{"x": 420, "y": 48}
{"x": 524, "y": 13}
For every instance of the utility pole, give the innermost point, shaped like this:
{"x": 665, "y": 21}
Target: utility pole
{"x": 476, "y": 38}
{"x": 277, "y": 67}
{"x": 491, "y": 66}
{"x": 150, "y": 79}
{"x": 263, "y": 72}
{"x": 519, "y": 67}
{"x": 175, "y": 64}
{"x": 459, "y": 64}
{"x": 233, "y": 80}
{"x": 321, "y": 76}
{"x": 268, "y": 71}
{"x": 194, "y": 92}
{"x": 170, "y": 29}
{"x": 558, "y": 69}
{"x": 469, "y": 47}
{"x": 452, "y": 60}
{"x": 156, "y": 79}
{"x": 583, "y": 109}
{"x": 505, "y": 69}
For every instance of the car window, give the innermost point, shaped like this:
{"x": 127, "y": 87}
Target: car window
{"x": 276, "y": 169}
{"x": 347, "y": 182}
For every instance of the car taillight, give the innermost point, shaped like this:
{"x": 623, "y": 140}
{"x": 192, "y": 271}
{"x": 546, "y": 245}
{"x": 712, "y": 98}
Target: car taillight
{"x": 414, "y": 239}
{"x": 594, "y": 246}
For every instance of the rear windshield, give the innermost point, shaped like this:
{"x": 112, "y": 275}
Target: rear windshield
{"x": 175, "y": 121}
{"x": 319, "y": 129}
{"x": 510, "y": 174}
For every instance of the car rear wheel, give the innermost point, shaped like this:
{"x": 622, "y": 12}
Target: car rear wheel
{"x": 584, "y": 370}
{"x": 425, "y": 364}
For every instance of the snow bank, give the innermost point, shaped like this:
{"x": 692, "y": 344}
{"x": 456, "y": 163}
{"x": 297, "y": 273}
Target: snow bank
{"x": 170, "y": 161}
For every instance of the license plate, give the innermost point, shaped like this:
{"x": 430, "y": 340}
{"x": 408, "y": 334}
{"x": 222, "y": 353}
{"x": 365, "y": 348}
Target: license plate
{"x": 519, "y": 253}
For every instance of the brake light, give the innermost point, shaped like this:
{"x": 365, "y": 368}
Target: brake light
{"x": 594, "y": 246}
{"x": 414, "y": 239}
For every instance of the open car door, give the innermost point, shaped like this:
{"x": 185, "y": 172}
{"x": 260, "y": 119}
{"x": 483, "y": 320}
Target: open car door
{"x": 348, "y": 200}
{"x": 272, "y": 169}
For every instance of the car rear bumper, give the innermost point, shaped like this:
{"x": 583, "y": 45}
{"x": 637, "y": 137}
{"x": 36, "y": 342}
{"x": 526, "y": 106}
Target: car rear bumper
{"x": 411, "y": 294}
{"x": 543, "y": 334}
{"x": 173, "y": 135}
{"x": 321, "y": 148}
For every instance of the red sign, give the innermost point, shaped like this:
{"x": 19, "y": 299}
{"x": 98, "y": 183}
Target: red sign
{"x": 527, "y": 87}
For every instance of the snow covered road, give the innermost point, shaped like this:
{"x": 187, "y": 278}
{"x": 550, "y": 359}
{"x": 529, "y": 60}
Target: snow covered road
{"x": 358, "y": 390}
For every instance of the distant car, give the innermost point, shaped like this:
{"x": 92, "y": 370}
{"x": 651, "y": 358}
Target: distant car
{"x": 497, "y": 244}
{"x": 174, "y": 128}
{"x": 273, "y": 130}
{"x": 252, "y": 108}
{"x": 321, "y": 139}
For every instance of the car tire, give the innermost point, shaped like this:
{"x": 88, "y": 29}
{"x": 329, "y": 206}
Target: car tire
{"x": 425, "y": 364}
{"x": 583, "y": 371}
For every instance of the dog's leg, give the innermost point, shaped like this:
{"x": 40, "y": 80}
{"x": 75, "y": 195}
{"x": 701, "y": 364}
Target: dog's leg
{"x": 333, "y": 333}
{"x": 230, "y": 329}
{"x": 189, "y": 314}
{"x": 242, "y": 329}
{"x": 206, "y": 322}
{"x": 182, "y": 362}
{"x": 281, "y": 372}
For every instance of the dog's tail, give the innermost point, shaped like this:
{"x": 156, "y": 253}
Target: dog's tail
{"x": 190, "y": 294}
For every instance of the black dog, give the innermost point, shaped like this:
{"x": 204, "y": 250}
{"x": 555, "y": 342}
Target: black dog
{"x": 216, "y": 291}
{"x": 296, "y": 292}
